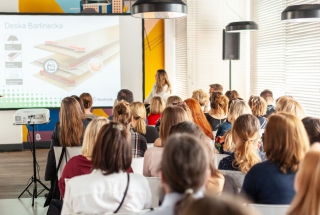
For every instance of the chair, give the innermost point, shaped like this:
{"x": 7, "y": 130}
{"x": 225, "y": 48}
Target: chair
{"x": 155, "y": 187}
{"x": 137, "y": 165}
{"x": 237, "y": 176}
{"x": 217, "y": 158}
{"x": 70, "y": 152}
{"x": 271, "y": 209}
{"x": 150, "y": 145}
{"x": 121, "y": 213}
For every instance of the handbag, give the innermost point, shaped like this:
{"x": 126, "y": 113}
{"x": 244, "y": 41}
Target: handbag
{"x": 124, "y": 195}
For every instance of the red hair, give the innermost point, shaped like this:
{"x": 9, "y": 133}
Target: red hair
{"x": 198, "y": 116}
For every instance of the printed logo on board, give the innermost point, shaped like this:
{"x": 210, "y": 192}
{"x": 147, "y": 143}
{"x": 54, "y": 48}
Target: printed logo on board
{"x": 51, "y": 66}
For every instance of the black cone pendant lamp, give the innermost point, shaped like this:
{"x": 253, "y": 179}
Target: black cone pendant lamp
{"x": 235, "y": 27}
{"x": 95, "y": 2}
{"x": 159, "y": 9}
{"x": 301, "y": 13}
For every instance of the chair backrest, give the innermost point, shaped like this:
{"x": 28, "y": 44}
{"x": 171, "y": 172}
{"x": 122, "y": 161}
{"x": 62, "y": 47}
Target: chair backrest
{"x": 271, "y": 209}
{"x": 237, "y": 176}
{"x": 137, "y": 165}
{"x": 70, "y": 151}
{"x": 150, "y": 145}
{"x": 217, "y": 158}
{"x": 155, "y": 187}
{"x": 121, "y": 213}
{"x": 261, "y": 132}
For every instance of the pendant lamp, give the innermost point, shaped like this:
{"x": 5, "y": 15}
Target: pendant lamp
{"x": 95, "y": 2}
{"x": 159, "y": 9}
{"x": 235, "y": 27}
{"x": 301, "y": 13}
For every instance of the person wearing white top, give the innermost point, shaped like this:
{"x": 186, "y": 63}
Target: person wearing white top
{"x": 161, "y": 88}
{"x": 108, "y": 188}
{"x": 184, "y": 173}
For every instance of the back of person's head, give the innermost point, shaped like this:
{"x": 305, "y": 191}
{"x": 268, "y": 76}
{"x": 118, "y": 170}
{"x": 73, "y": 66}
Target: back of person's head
{"x": 307, "y": 198}
{"x": 125, "y": 95}
{"x": 258, "y": 105}
{"x": 184, "y": 167}
{"x": 312, "y": 126}
{"x": 290, "y": 105}
{"x": 138, "y": 112}
{"x": 238, "y": 108}
{"x": 285, "y": 141}
{"x": 201, "y": 97}
{"x": 171, "y": 116}
{"x": 173, "y": 99}
{"x": 79, "y": 100}
{"x": 162, "y": 80}
{"x": 216, "y": 87}
{"x": 71, "y": 125}
{"x": 112, "y": 152}
{"x": 122, "y": 113}
{"x": 157, "y": 105}
{"x": 198, "y": 116}
{"x": 185, "y": 107}
{"x": 87, "y": 100}
{"x": 232, "y": 94}
{"x": 267, "y": 95}
{"x": 219, "y": 103}
{"x": 90, "y": 135}
{"x": 245, "y": 134}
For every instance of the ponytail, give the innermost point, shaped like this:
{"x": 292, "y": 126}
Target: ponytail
{"x": 183, "y": 203}
{"x": 141, "y": 125}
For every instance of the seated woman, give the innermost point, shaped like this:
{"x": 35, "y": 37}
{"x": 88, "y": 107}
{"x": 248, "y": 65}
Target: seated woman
{"x": 184, "y": 173}
{"x": 87, "y": 104}
{"x": 81, "y": 164}
{"x": 156, "y": 108}
{"x": 218, "y": 112}
{"x": 138, "y": 123}
{"x": 285, "y": 144}
{"x": 259, "y": 108}
{"x": 232, "y": 94}
{"x": 312, "y": 126}
{"x": 202, "y": 98}
{"x": 173, "y": 99}
{"x": 306, "y": 185}
{"x": 290, "y": 105}
{"x": 245, "y": 135}
{"x": 217, "y": 183}
{"x": 108, "y": 188}
{"x": 152, "y": 158}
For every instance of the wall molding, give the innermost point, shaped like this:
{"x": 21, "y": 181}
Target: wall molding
{"x": 22, "y": 146}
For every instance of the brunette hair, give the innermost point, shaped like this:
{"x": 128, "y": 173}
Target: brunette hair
{"x": 198, "y": 117}
{"x": 90, "y": 135}
{"x": 79, "y": 101}
{"x": 184, "y": 167}
{"x": 173, "y": 99}
{"x": 71, "y": 125}
{"x": 246, "y": 131}
{"x": 138, "y": 112}
{"x": 122, "y": 113}
{"x": 113, "y": 150}
{"x": 170, "y": 116}
{"x": 219, "y": 103}
{"x": 162, "y": 81}
{"x": 290, "y": 105}
{"x": 267, "y": 95}
{"x": 217, "y": 87}
{"x": 232, "y": 94}
{"x": 125, "y": 95}
{"x": 258, "y": 105}
{"x": 285, "y": 141}
{"x": 157, "y": 105}
{"x": 201, "y": 97}
{"x": 312, "y": 126}
{"x": 87, "y": 100}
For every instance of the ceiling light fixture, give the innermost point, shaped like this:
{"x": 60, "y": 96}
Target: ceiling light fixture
{"x": 301, "y": 13}
{"x": 95, "y": 2}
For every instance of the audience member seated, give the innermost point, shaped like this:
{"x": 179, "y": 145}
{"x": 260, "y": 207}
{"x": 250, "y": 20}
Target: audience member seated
{"x": 306, "y": 185}
{"x": 218, "y": 112}
{"x": 198, "y": 117}
{"x": 87, "y": 104}
{"x": 285, "y": 144}
{"x": 81, "y": 164}
{"x": 68, "y": 132}
{"x": 162, "y": 87}
{"x": 108, "y": 188}
{"x": 156, "y": 107}
{"x": 125, "y": 95}
{"x": 202, "y": 98}
{"x": 80, "y": 102}
{"x": 173, "y": 99}
{"x": 218, "y": 183}
{"x": 215, "y": 88}
{"x": 290, "y": 105}
{"x": 139, "y": 125}
{"x": 268, "y": 97}
{"x": 232, "y": 94}
{"x": 312, "y": 126}
{"x": 184, "y": 173}
{"x": 122, "y": 114}
{"x": 245, "y": 135}
{"x": 259, "y": 108}
{"x": 152, "y": 159}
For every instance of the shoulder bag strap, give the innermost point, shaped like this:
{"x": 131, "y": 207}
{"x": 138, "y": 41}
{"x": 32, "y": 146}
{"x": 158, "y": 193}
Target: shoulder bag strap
{"x": 124, "y": 195}
{"x": 63, "y": 152}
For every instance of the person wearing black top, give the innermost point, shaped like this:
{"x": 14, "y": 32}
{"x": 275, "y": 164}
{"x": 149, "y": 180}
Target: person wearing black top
{"x": 218, "y": 113}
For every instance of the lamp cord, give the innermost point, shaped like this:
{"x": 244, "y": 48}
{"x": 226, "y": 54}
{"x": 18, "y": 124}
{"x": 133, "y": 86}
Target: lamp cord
{"x": 233, "y": 10}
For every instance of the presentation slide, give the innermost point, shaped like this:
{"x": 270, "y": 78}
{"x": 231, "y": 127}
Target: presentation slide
{"x": 45, "y": 58}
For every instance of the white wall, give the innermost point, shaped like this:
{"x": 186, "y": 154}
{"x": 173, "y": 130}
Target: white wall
{"x": 9, "y": 134}
{"x": 169, "y": 51}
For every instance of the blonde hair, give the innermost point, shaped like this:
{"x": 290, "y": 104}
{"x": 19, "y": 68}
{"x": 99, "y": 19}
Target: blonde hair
{"x": 138, "y": 112}
{"x": 156, "y": 105}
{"x": 290, "y": 105}
{"x": 173, "y": 99}
{"x": 258, "y": 105}
{"x": 239, "y": 108}
{"x": 307, "y": 198}
{"x": 162, "y": 81}
{"x": 246, "y": 129}
{"x": 90, "y": 135}
{"x": 285, "y": 141}
{"x": 201, "y": 97}
{"x": 228, "y": 144}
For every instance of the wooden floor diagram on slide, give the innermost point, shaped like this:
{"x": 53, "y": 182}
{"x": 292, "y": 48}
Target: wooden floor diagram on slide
{"x": 75, "y": 56}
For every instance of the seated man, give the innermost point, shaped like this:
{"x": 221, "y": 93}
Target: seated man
{"x": 268, "y": 96}
{"x": 123, "y": 94}
{"x": 215, "y": 88}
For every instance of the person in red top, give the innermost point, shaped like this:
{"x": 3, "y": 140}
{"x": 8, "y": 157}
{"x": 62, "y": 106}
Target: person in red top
{"x": 156, "y": 108}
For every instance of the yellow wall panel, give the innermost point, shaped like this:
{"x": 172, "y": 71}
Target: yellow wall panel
{"x": 37, "y": 6}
